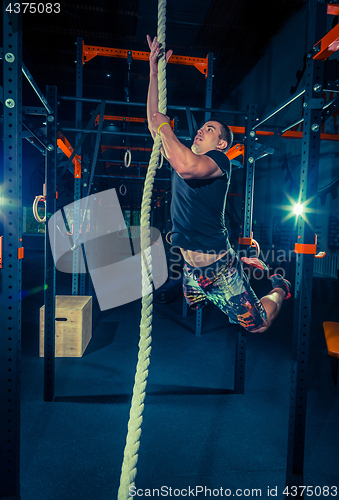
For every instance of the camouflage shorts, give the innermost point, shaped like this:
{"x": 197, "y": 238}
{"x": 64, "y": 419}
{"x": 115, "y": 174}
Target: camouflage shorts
{"x": 226, "y": 285}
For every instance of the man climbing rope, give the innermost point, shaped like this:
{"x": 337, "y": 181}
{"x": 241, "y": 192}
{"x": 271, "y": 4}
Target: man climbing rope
{"x": 200, "y": 181}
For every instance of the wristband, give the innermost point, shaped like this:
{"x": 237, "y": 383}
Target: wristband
{"x": 165, "y": 123}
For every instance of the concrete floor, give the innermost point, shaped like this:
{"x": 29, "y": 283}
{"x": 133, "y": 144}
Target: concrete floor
{"x": 193, "y": 433}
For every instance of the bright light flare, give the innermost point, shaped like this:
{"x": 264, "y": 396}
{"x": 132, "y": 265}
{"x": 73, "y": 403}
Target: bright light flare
{"x": 298, "y": 209}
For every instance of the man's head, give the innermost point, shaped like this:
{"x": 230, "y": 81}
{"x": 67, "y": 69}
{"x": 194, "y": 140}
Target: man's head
{"x": 214, "y": 134}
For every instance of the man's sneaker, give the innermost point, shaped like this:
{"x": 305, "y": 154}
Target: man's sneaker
{"x": 279, "y": 282}
{"x": 254, "y": 262}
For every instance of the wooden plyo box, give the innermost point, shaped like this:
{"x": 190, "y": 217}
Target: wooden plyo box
{"x": 73, "y": 325}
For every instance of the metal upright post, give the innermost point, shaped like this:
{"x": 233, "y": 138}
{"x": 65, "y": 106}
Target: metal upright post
{"x": 77, "y": 180}
{"x": 49, "y": 288}
{"x": 304, "y": 265}
{"x": 209, "y": 85}
{"x": 249, "y": 169}
{"x": 12, "y": 253}
{"x": 85, "y": 177}
{"x": 240, "y": 359}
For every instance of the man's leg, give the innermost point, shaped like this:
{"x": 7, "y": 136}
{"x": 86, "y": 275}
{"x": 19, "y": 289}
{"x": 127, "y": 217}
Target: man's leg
{"x": 194, "y": 295}
{"x": 272, "y": 303}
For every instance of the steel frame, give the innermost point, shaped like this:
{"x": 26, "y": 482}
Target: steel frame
{"x": 84, "y": 276}
{"x": 77, "y": 263}
{"x": 209, "y": 85}
{"x": 304, "y": 264}
{"x": 85, "y": 53}
{"x": 49, "y": 268}
{"x": 12, "y": 251}
{"x": 247, "y": 210}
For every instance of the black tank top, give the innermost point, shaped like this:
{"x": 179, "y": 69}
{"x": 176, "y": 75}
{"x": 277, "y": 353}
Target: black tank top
{"x": 198, "y": 209}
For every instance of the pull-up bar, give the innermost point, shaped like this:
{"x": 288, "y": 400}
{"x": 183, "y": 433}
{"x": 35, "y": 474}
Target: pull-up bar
{"x": 36, "y": 89}
{"x": 332, "y": 137}
{"x": 279, "y": 108}
{"x": 143, "y": 105}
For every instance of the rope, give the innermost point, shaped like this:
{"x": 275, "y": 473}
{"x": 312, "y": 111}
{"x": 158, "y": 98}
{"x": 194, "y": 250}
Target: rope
{"x": 129, "y": 470}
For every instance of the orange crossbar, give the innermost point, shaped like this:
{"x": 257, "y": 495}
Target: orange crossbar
{"x": 328, "y": 44}
{"x": 120, "y": 119}
{"x": 90, "y": 51}
{"x": 134, "y": 148}
{"x": 66, "y": 148}
{"x": 126, "y": 118}
{"x": 331, "y": 330}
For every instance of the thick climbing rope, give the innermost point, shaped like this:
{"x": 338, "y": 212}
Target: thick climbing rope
{"x": 129, "y": 465}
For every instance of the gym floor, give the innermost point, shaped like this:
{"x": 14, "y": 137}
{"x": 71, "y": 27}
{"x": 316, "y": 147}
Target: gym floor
{"x": 195, "y": 432}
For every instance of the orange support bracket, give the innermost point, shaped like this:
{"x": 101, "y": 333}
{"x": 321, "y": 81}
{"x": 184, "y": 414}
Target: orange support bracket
{"x": 333, "y": 9}
{"x": 331, "y": 330}
{"x": 246, "y": 241}
{"x": 43, "y": 197}
{"x": 66, "y": 148}
{"x": 90, "y": 51}
{"x": 309, "y": 248}
{"x": 20, "y": 251}
{"x": 237, "y": 150}
{"x": 328, "y": 44}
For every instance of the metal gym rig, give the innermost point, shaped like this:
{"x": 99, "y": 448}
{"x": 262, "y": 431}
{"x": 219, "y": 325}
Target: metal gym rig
{"x": 319, "y": 76}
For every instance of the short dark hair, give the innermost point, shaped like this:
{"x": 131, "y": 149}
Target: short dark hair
{"x": 226, "y": 133}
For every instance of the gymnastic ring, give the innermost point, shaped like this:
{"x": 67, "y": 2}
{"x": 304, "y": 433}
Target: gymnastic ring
{"x": 128, "y": 158}
{"x": 35, "y": 208}
{"x": 170, "y": 241}
{"x": 256, "y": 245}
{"x": 121, "y": 186}
{"x": 161, "y": 161}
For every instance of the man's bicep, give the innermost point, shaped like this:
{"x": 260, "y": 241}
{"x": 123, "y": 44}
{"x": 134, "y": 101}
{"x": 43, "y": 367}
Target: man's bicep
{"x": 206, "y": 168}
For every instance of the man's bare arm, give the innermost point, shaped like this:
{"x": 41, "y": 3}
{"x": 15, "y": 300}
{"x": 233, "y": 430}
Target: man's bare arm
{"x": 186, "y": 163}
{"x": 153, "y": 94}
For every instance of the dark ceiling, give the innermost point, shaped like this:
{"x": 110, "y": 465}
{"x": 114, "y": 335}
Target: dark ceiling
{"x": 237, "y": 32}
